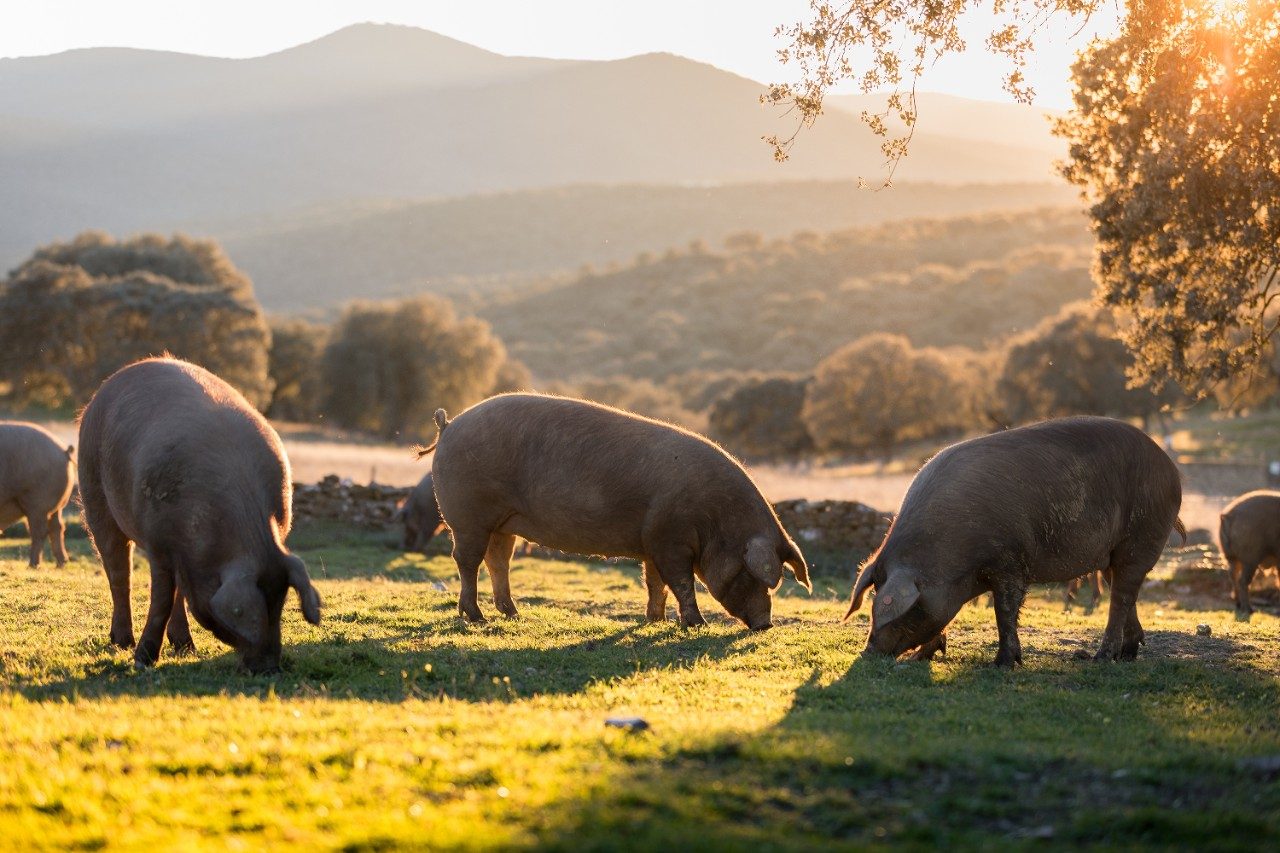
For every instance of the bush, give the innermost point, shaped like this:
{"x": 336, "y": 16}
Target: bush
{"x": 761, "y": 420}
{"x": 1072, "y": 363}
{"x": 389, "y": 365}
{"x": 297, "y": 347}
{"x": 880, "y": 391}
{"x": 76, "y": 312}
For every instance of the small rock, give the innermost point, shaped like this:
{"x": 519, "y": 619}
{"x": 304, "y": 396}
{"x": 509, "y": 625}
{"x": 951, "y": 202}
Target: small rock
{"x": 1203, "y": 630}
{"x": 1266, "y": 766}
{"x": 630, "y": 724}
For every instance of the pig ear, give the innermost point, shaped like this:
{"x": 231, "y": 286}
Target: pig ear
{"x": 240, "y": 606}
{"x": 762, "y": 561}
{"x": 866, "y": 580}
{"x": 792, "y": 557}
{"x": 301, "y": 581}
{"x": 894, "y": 598}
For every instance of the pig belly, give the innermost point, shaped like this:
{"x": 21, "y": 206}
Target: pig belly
{"x": 578, "y": 538}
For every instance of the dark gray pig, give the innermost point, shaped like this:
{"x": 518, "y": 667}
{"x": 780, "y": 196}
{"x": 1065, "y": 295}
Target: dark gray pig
{"x": 589, "y": 479}
{"x": 1094, "y": 580}
{"x": 1249, "y": 537}
{"x": 176, "y": 460}
{"x": 420, "y": 516}
{"x": 36, "y": 477}
{"x": 1042, "y": 503}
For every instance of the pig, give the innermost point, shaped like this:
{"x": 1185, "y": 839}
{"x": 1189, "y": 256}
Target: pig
{"x": 1249, "y": 538}
{"x": 36, "y": 477}
{"x": 1042, "y": 503}
{"x": 420, "y": 516}
{"x": 586, "y": 478}
{"x": 175, "y": 460}
{"x": 1094, "y": 580}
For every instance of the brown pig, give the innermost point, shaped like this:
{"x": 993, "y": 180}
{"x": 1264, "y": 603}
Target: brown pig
{"x": 589, "y": 479}
{"x": 420, "y": 516}
{"x": 36, "y": 476}
{"x": 1249, "y": 536}
{"x": 176, "y": 460}
{"x": 1038, "y": 504}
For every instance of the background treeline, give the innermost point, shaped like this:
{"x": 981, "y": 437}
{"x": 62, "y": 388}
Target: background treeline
{"x": 846, "y": 344}
{"x": 785, "y": 304}
{"x": 75, "y": 312}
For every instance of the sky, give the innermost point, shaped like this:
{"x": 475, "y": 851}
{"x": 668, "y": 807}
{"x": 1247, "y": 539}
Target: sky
{"x": 736, "y": 35}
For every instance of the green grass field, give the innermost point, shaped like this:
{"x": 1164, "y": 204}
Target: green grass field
{"x": 396, "y": 726}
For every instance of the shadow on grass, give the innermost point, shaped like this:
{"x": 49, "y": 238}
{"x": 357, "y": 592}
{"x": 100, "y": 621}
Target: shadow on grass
{"x": 435, "y": 662}
{"x": 919, "y": 754}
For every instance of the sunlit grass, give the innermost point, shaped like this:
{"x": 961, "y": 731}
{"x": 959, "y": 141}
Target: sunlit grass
{"x": 395, "y": 725}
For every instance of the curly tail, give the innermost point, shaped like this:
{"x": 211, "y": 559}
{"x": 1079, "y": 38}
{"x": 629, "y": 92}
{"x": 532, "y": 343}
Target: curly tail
{"x": 1181, "y": 528}
{"x": 442, "y": 423}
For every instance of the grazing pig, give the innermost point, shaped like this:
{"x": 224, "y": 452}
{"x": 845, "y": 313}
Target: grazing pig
{"x": 175, "y": 460}
{"x": 589, "y": 479}
{"x": 36, "y": 476}
{"x": 420, "y": 516}
{"x": 1094, "y": 579}
{"x": 1042, "y": 503}
{"x": 1249, "y": 537}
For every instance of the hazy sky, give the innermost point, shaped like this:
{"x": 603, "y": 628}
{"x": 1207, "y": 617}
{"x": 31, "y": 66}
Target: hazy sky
{"x": 733, "y": 34}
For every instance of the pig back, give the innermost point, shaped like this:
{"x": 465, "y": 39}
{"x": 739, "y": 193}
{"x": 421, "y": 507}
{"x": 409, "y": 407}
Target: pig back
{"x": 1052, "y": 500}
{"x": 1250, "y": 527}
{"x": 34, "y": 466}
{"x": 176, "y": 451}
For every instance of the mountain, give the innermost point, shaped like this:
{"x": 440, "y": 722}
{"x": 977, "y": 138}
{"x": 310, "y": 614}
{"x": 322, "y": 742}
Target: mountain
{"x": 129, "y": 140}
{"x": 129, "y": 89}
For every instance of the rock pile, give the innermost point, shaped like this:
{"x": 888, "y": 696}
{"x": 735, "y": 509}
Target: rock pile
{"x": 843, "y": 531}
{"x": 333, "y": 499}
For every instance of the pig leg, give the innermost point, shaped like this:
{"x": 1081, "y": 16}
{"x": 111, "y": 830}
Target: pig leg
{"x": 179, "y": 630}
{"x": 468, "y": 553}
{"x": 1096, "y": 579}
{"x": 58, "y": 538}
{"x": 498, "y": 560}
{"x": 676, "y": 572}
{"x": 937, "y": 645}
{"x": 163, "y": 592}
{"x": 1008, "y": 594}
{"x": 1244, "y": 607}
{"x": 657, "y": 610}
{"x": 1134, "y": 636}
{"x": 38, "y": 527}
{"x": 117, "y": 560}
{"x": 1070, "y": 597}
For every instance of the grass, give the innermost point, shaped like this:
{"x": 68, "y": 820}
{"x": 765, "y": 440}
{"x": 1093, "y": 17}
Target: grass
{"x": 396, "y": 726}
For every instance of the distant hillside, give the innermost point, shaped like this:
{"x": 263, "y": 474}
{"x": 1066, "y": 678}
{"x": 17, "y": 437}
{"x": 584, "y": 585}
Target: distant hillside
{"x": 322, "y": 257}
{"x": 130, "y": 140}
{"x": 786, "y": 304}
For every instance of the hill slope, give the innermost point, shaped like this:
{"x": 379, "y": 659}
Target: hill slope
{"x": 322, "y": 257}
{"x": 785, "y": 305}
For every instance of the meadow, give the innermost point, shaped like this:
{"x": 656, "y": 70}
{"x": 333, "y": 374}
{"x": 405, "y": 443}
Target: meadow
{"x": 395, "y": 725}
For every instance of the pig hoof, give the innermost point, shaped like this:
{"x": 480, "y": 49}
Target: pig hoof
{"x": 143, "y": 661}
{"x": 182, "y": 649}
{"x": 474, "y": 618}
{"x": 1243, "y": 615}
{"x": 695, "y": 622}
{"x": 122, "y": 641}
{"x": 1008, "y": 659}
{"x": 508, "y": 610}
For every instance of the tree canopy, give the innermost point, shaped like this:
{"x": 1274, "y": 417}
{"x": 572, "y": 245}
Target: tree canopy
{"x": 389, "y": 365}
{"x": 1173, "y": 143}
{"x": 76, "y": 312}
